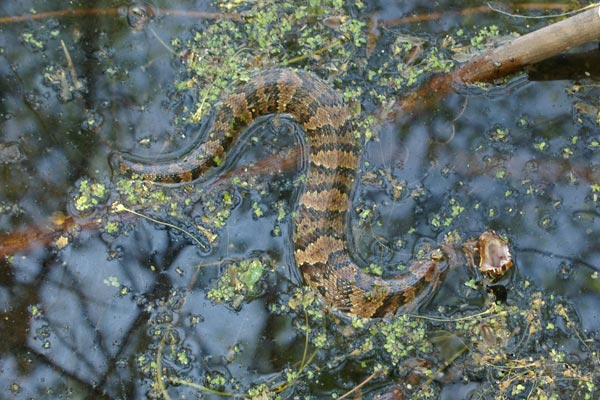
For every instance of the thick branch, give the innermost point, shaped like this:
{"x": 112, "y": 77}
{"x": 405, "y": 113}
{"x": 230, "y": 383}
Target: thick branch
{"x": 507, "y": 59}
{"x": 532, "y": 48}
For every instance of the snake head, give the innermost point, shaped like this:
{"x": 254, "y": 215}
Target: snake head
{"x": 494, "y": 255}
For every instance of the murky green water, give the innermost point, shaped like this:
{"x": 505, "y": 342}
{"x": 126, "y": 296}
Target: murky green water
{"x": 203, "y": 299}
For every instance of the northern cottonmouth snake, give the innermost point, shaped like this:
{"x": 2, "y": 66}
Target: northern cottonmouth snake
{"x": 321, "y": 247}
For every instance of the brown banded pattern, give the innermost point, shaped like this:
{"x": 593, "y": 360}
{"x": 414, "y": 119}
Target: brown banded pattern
{"x": 321, "y": 247}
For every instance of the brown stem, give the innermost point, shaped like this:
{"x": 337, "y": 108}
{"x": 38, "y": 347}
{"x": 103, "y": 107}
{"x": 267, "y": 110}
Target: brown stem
{"x": 47, "y": 233}
{"x": 14, "y": 242}
{"x": 504, "y": 60}
{"x": 59, "y": 13}
{"x": 532, "y": 48}
{"x": 94, "y": 12}
{"x": 468, "y": 11}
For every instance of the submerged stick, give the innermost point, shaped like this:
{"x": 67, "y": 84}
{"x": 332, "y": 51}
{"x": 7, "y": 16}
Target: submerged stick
{"x": 507, "y": 59}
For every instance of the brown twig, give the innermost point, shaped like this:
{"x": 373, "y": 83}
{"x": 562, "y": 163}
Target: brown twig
{"x": 48, "y": 234}
{"x": 89, "y": 12}
{"x": 95, "y": 12}
{"x": 15, "y": 242}
{"x": 237, "y": 17}
{"x": 532, "y": 48}
{"x": 509, "y": 58}
{"x": 468, "y": 11}
{"x": 197, "y": 14}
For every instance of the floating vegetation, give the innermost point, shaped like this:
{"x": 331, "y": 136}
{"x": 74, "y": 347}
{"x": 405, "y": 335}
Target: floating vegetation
{"x": 201, "y": 273}
{"x": 504, "y": 349}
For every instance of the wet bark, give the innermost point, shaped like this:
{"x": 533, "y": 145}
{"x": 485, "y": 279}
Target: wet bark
{"x": 532, "y": 48}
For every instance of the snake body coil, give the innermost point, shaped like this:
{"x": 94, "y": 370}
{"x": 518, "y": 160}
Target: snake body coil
{"x": 321, "y": 247}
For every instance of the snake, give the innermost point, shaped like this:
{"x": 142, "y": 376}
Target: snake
{"x": 321, "y": 243}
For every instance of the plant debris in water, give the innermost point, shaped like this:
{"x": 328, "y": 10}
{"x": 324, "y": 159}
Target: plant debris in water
{"x": 532, "y": 347}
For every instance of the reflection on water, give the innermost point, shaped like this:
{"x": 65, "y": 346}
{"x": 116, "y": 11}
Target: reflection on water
{"x": 116, "y": 303}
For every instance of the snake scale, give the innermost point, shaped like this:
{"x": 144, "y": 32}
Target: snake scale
{"x": 321, "y": 247}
